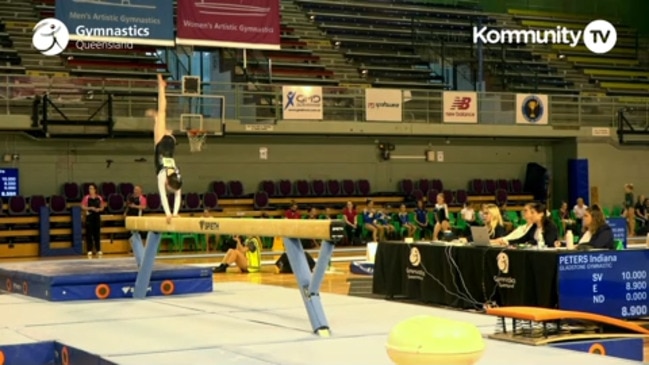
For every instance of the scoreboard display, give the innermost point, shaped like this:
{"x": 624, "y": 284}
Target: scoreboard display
{"x": 10, "y": 182}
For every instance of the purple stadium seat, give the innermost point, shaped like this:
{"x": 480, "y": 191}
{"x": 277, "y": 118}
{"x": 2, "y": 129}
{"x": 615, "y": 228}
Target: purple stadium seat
{"x": 126, "y": 189}
{"x": 236, "y": 188}
{"x": 489, "y": 187}
{"x": 71, "y": 191}
{"x": 501, "y": 197}
{"x": 431, "y": 196}
{"x": 517, "y": 186}
{"x": 193, "y": 202}
{"x": 407, "y": 186}
{"x": 302, "y": 188}
{"x": 269, "y": 187}
{"x": 333, "y": 187}
{"x": 36, "y": 202}
{"x": 261, "y": 200}
{"x": 363, "y": 187}
{"x": 171, "y": 198}
{"x": 437, "y": 184}
{"x": 210, "y": 201}
{"x": 107, "y": 189}
{"x": 417, "y": 194}
{"x": 17, "y": 205}
{"x": 115, "y": 203}
{"x": 220, "y": 188}
{"x": 58, "y": 205}
{"x": 348, "y": 188}
{"x": 424, "y": 185}
{"x": 285, "y": 188}
{"x": 84, "y": 189}
{"x": 502, "y": 184}
{"x": 449, "y": 197}
{"x": 476, "y": 186}
{"x": 318, "y": 188}
{"x": 461, "y": 197}
{"x": 153, "y": 202}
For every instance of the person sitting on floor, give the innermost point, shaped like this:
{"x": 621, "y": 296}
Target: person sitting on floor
{"x": 598, "y": 234}
{"x": 235, "y": 256}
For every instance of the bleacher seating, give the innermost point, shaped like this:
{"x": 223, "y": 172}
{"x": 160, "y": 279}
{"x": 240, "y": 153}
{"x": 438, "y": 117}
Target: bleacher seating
{"x": 618, "y": 72}
{"x": 9, "y": 59}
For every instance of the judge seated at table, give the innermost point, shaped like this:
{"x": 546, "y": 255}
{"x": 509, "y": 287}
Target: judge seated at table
{"x": 542, "y": 232}
{"x": 598, "y": 234}
{"x": 519, "y": 231}
{"x": 494, "y": 222}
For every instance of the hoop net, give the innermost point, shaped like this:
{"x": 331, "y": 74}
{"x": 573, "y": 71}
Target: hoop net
{"x": 196, "y": 139}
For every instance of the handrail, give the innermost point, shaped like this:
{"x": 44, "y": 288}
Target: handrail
{"x": 131, "y": 97}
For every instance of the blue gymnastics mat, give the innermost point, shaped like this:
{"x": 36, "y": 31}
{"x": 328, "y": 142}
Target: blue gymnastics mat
{"x": 65, "y": 280}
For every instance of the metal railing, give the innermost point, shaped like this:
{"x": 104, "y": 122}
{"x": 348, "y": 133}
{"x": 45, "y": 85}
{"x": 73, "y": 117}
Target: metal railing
{"x": 255, "y": 103}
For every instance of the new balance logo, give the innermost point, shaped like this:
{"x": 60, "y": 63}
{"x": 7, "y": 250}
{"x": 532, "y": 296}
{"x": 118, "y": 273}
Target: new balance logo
{"x": 461, "y": 103}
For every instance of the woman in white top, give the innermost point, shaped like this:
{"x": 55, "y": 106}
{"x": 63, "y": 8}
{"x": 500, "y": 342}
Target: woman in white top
{"x": 441, "y": 217}
{"x": 579, "y": 210}
{"x": 467, "y": 213}
{"x": 518, "y": 232}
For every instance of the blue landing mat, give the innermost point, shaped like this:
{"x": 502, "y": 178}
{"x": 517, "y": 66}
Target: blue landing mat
{"x": 98, "y": 279}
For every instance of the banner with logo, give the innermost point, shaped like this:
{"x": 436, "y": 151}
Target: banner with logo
{"x": 302, "y": 102}
{"x": 532, "y": 109}
{"x": 383, "y": 105}
{"x": 248, "y": 24}
{"x": 146, "y": 22}
{"x": 460, "y": 107}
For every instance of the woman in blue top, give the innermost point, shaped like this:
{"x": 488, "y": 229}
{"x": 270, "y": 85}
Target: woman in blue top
{"x": 383, "y": 220}
{"x": 421, "y": 219}
{"x": 370, "y": 222}
{"x": 404, "y": 220}
{"x": 167, "y": 172}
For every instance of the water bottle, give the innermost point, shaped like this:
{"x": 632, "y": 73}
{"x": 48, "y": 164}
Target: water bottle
{"x": 570, "y": 240}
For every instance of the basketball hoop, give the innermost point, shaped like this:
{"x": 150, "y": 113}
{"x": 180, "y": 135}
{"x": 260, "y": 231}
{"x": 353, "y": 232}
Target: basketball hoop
{"x": 196, "y": 139}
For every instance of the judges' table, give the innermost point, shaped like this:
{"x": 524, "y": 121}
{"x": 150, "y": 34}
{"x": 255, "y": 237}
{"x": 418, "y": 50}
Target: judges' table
{"x": 466, "y": 276}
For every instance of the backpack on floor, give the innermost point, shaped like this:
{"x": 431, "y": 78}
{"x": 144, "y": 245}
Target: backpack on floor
{"x": 285, "y": 265}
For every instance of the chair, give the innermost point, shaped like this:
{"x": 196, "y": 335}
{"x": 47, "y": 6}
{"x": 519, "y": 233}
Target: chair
{"x": 490, "y": 187}
{"x": 126, "y": 189}
{"x": 302, "y": 188}
{"x": 476, "y": 186}
{"x": 502, "y": 184}
{"x": 71, "y": 191}
{"x": 58, "y": 205}
{"x": 363, "y": 187}
{"x": 348, "y": 188}
{"x": 436, "y": 184}
{"x": 116, "y": 203}
{"x": 211, "y": 201}
{"x": 449, "y": 197}
{"x": 285, "y": 188}
{"x": 516, "y": 186}
{"x": 269, "y": 187}
{"x": 318, "y": 188}
{"x": 236, "y": 188}
{"x": 17, "y": 205}
{"x": 107, "y": 189}
{"x": 406, "y": 187}
{"x": 36, "y": 202}
{"x": 261, "y": 200}
{"x": 501, "y": 197}
{"x": 417, "y": 195}
{"x": 219, "y": 188}
{"x": 424, "y": 185}
{"x": 153, "y": 202}
{"x": 192, "y": 202}
{"x": 461, "y": 197}
{"x": 431, "y": 196}
{"x": 333, "y": 187}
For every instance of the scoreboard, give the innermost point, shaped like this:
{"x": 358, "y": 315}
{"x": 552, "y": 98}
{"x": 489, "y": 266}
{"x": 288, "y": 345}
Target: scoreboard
{"x": 10, "y": 182}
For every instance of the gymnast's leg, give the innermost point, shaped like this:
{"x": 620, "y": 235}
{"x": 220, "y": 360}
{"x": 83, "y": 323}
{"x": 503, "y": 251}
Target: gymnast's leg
{"x": 233, "y": 256}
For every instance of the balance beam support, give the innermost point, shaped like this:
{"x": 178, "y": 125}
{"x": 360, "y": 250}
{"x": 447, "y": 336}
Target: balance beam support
{"x": 309, "y": 284}
{"x": 137, "y": 246}
{"x": 146, "y": 267}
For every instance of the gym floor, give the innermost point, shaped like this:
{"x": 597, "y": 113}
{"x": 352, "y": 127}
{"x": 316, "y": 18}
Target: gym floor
{"x": 249, "y": 319}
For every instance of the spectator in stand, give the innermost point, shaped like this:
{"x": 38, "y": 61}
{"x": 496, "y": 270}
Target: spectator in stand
{"x": 579, "y": 210}
{"x": 566, "y": 220}
{"x": 421, "y": 219}
{"x": 383, "y": 220}
{"x": 629, "y": 208}
{"x": 468, "y": 214}
{"x": 135, "y": 205}
{"x": 406, "y": 222}
{"x": 641, "y": 213}
{"x": 93, "y": 205}
{"x": 351, "y": 223}
{"x": 313, "y": 213}
{"x": 369, "y": 221}
{"x": 311, "y": 244}
{"x": 293, "y": 212}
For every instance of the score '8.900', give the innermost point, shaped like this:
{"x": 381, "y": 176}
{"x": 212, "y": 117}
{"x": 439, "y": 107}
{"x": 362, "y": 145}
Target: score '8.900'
{"x": 634, "y": 311}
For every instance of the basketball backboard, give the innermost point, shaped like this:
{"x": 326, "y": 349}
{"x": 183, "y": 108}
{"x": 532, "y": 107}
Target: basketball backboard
{"x": 203, "y": 112}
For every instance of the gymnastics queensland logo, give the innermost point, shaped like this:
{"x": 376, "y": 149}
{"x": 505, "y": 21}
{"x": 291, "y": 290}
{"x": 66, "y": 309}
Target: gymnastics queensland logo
{"x": 51, "y": 37}
{"x": 531, "y": 109}
{"x": 503, "y": 279}
{"x": 413, "y": 272}
{"x": 502, "y": 260}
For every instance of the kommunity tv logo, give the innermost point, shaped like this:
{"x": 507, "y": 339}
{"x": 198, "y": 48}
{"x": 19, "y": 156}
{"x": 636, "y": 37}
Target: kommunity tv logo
{"x": 599, "y": 36}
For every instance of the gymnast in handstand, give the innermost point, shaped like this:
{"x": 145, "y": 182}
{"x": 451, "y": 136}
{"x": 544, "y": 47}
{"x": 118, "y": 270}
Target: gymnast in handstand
{"x": 165, "y": 145}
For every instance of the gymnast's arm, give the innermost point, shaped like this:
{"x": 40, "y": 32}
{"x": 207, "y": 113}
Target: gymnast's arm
{"x": 177, "y": 200}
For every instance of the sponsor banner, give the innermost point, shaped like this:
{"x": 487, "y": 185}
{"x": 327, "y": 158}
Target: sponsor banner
{"x": 146, "y": 22}
{"x": 460, "y": 107}
{"x": 248, "y": 24}
{"x": 383, "y": 105}
{"x": 532, "y": 109}
{"x": 302, "y": 102}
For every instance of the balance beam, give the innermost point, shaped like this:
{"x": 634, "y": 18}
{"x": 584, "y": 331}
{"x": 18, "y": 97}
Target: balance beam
{"x": 291, "y": 230}
{"x": 319, "y": 229}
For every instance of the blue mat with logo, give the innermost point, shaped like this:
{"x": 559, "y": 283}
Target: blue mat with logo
{"x": 84, "y": 279}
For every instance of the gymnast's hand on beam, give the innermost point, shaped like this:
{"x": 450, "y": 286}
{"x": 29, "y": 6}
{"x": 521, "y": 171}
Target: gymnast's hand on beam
{"x": 168, "y": 219}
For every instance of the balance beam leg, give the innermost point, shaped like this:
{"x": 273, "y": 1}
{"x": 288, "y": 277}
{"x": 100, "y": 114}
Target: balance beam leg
{"x": 137, "y": 246}
{"x": 146, "y": 269}
{"x": 321, "y": 266}
{"x": 305, "y": 281}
